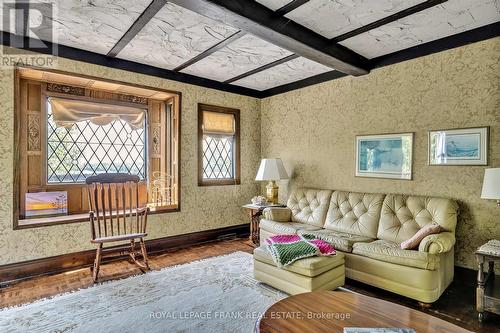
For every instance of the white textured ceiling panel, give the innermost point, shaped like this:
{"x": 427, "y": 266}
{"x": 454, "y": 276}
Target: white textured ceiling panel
{"x": 244, "y": 54}
{"x": 90, "y": 25}
{"x": 449, "y": 18}
{"x": 274, "y": 4}
{"x": 293, "y": 70}
{"x": 174, "y": 36}
{"x": 333, "y": 18}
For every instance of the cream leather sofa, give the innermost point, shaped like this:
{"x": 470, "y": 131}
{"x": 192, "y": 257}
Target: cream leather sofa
{"x": 368, "y": 228}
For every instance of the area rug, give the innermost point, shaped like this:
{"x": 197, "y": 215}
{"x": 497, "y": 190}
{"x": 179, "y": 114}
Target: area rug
{"x": 217, "y": 294}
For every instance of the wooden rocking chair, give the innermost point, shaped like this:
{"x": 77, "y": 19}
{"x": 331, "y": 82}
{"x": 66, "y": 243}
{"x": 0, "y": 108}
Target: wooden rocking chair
{"x": 115, "y": 215}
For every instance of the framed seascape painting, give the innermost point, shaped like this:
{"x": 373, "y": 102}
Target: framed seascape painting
{"x": 466, "y": 146}
{"x": 384, "y": 155}
{"x": 45, "y": 204}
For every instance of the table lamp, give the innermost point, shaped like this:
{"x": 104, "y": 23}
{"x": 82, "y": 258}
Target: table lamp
{"x": 491, "y": 185}
{"x": 271, "y": 169}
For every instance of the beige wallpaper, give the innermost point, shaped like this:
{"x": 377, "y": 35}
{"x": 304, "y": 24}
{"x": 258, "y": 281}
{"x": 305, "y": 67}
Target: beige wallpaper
{"x": 203, "y": 208}
{"x": 313, "y": 130}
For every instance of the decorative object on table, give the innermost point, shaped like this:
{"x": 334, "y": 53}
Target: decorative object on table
{"x": 467, "y": 146}
{"x": 255, "y": 212}
{"x": 384, "y": 155}
{"x": 491, "y": 185}
{"x": 378, "y": 330}
{"x": 487, "y": 295}
{"x": 271, "y": 169}
{"x": 46, "y": 204}
{"x": 259, "y": 200}
{"x": 286, "y": 249}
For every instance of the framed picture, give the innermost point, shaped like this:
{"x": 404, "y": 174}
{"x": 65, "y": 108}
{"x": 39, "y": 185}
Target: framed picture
{"x": 44, "y": 204}
{"x": 465, "y": 146}
{"x": 384, "y": 155}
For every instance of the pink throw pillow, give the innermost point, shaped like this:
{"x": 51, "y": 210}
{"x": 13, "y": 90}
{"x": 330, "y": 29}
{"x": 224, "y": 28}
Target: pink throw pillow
{"x": 413, "y": 242}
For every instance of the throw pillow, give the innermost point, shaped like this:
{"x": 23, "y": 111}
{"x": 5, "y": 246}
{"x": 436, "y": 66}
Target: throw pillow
{"x": 413, "y": 242}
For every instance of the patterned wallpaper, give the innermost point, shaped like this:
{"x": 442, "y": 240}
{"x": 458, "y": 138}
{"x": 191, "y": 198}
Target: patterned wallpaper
{"x": 203, "y": 208}
{"x": 313, "y": 130}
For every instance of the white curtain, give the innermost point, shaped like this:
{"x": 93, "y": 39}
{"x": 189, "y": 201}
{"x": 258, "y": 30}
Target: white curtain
{"x": 67, "y": 112}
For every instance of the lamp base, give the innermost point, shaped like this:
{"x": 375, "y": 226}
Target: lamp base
{"x": 272, "y": 192}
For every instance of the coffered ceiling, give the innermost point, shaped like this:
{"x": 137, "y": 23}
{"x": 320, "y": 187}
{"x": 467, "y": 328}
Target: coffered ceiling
{"x": 259, "y": 45}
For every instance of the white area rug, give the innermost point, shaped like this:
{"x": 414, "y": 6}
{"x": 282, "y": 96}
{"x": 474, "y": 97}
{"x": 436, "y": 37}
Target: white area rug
{"x": 213, "y": 295}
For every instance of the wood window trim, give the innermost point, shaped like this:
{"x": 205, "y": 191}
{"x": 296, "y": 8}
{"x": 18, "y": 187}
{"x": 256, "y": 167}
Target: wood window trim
{"x": 237, "y": 158}
{"x": 175, "y": 101}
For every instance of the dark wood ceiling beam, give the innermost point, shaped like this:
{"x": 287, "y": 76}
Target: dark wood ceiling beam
{"x": 391, "y": 18}
{"x": 289, "y": 7}
{"x": 262, "y": 68}
{"x": 211, "y": 50}
{"x": 260, "y": 21}
{"x": 153, "y": 8}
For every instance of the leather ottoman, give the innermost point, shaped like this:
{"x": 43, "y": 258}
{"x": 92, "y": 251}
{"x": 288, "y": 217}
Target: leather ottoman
{"x": 304, "y": 275}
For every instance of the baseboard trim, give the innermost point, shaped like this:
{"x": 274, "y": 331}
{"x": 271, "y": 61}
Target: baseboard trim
{"x": 45, "y": 266}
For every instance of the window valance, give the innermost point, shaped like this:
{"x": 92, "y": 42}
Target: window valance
{"x": 67, "y": 112}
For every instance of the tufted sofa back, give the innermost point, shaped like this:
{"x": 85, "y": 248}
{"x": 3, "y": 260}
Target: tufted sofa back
{"x": 402, "y": 216}
{"x": 309, "y": 205}
{"x": 354, "y": 213}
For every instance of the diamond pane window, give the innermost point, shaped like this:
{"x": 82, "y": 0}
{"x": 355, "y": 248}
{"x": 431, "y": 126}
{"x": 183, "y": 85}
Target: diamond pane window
{"x": 218, "y": 157}
{"x": 85, "y": 148}
{"x": 219, "y": 145}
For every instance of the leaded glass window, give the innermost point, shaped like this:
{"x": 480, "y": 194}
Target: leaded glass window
{"x": 85, "y": 149}
{"x": 219, "y": 145}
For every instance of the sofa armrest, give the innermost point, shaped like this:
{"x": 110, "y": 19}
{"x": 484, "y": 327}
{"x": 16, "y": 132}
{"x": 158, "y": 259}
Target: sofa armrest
{"x": 278, "y": 214}
{"x": 437, "y": 243}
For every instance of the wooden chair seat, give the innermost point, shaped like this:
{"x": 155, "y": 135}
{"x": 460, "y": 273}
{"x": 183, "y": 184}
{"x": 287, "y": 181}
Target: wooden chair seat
{"x": 117, "y": 238}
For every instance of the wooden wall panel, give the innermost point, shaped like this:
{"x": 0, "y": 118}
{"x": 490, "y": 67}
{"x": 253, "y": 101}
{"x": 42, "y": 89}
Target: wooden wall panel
{"x": 34, "y": 171}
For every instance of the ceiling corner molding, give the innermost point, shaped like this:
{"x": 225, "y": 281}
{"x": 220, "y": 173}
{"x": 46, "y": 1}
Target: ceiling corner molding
{"x": 438, "y": 45}
{"x": 262, "y": 22}
{"x": 117, "y": 63}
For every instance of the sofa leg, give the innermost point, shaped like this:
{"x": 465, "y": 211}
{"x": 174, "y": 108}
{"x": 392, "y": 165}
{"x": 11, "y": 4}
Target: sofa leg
{"x": 424, "y": 305}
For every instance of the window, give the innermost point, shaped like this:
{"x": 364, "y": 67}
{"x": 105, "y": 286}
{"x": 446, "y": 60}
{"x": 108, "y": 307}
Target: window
{"x": 81, "y": 142}
{"x": 218, "y": 145}
{"x": 66, "y": 132}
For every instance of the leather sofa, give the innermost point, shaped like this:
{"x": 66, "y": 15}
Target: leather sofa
{"x": 368, "y": 228}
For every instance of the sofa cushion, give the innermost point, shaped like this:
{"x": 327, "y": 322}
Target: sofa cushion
{"x": 309, "y": 206}
{"x": 311, "y": 266}
{"x": 392, "y": 252}
{"x": 341, "y": 241}
{"x": 402, "y": 216}
{"x": 282, "y": 228}
{"x": 354, "y": 213}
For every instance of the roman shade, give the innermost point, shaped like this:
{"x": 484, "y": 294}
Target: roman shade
{"x": 67, "y": 112}
{"x": 217, "y": 123}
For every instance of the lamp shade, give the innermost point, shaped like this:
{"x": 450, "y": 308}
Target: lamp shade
{"x": 271, "y": 169}
{"x": 491, "y": 184}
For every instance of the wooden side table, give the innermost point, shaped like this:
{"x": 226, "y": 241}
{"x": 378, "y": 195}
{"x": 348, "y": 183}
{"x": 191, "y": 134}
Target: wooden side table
{"x": 488, "y": 290}
{"x": 255, "y": 212}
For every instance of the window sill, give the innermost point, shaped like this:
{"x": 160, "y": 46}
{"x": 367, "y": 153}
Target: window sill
{"x": 76, "y": 218}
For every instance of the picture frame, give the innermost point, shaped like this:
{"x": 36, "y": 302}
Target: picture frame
{"x": 46, "y": 204}
{"x": 385, "y": 156}
{"x": 461, "y": 146}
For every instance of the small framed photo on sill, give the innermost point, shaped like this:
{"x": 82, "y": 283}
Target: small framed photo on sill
{"x": 464, "y": 146}
{"x": 46, "y": 204}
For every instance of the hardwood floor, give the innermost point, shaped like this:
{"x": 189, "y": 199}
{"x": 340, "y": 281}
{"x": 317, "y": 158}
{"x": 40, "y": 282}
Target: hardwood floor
{"x": 456, "y": 305}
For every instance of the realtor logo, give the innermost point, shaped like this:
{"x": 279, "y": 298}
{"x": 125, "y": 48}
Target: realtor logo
{"x": 26, "y": 27}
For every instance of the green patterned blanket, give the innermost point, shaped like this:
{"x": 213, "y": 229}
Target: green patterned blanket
{"x": 286, "y": 249}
